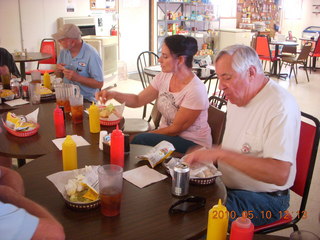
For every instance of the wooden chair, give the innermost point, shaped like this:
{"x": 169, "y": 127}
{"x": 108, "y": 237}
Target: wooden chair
{"x": 217, "y": 122}
{"x": 48, "y": 45}
{"x": 293, "y": 61}
{"x": 306, "y": 158}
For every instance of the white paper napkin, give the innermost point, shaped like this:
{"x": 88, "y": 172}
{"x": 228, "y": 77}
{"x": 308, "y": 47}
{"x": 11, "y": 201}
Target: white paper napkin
{"x": 16, "y": 102}
{"x": 80, "y": 141}
{"x": 143, "y": 176}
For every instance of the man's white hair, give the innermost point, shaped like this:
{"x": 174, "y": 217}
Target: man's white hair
{"x": 242, "y": 58}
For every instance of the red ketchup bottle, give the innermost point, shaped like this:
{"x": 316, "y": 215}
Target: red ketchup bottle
{"x": 59, "y": 122}
{"x": 117, "y": 147}
{"x": 242, "y": 229}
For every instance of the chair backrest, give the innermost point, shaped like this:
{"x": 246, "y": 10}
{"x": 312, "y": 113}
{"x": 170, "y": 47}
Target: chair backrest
{"x": 48, "y": 45}
{"x": 146, "y": 59}
{"x": 303, "y": 56}
{"x": 262, "y": 46}
{"x": 306, "y": 156}
{"x": 155, "y": 115}
{"x": 217, "y": 122}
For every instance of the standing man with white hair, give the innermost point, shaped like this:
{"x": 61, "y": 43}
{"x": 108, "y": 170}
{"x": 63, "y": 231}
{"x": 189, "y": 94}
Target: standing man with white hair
{"x": 79, "y": 62}
{"x": 257, "y": 157}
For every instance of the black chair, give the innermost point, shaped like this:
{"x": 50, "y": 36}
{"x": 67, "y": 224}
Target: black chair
{"x": 146, "y": 59}
{"x": 209, "y": 79}
{"x": 306, "y": 158}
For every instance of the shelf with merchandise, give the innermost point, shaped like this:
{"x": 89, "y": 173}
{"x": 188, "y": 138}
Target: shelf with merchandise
{"x": 194, "y": 18}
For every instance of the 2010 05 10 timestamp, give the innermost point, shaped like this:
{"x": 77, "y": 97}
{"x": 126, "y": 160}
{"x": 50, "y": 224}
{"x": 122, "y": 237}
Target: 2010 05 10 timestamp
{"x": 250, "y": 214}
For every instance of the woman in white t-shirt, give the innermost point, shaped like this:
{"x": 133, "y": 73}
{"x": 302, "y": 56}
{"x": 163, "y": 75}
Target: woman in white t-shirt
{"x": 182, "y": 98}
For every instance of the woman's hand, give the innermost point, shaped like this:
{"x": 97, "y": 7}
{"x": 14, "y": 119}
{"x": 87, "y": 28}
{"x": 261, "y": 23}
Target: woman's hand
{"x": 104, "y": 95}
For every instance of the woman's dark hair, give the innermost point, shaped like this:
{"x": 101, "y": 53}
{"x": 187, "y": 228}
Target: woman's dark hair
{"x": 180, "y": 45}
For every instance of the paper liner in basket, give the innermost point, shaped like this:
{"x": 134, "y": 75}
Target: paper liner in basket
{"x": 60, "y": 179}
{"x": 21, "y": 123}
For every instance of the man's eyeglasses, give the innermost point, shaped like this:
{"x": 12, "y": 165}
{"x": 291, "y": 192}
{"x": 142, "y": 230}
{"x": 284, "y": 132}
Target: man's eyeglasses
{"x": 188, "y": 204}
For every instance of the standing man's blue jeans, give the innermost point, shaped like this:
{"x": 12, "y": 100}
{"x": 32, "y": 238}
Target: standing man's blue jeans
{"x": 151, "y": 139}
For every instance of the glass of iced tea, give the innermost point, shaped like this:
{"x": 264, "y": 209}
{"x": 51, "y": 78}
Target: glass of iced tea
{"x": 76, "y": 103}
{"x": 110, "y": 189}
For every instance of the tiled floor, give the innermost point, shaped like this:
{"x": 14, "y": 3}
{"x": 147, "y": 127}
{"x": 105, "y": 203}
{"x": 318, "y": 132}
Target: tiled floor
{"x": 308, "y": 98}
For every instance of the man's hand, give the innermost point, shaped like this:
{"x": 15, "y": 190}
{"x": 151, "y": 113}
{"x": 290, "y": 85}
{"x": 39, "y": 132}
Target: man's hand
{"x": 202, "y": 155}
{"x": 70, "y": 74}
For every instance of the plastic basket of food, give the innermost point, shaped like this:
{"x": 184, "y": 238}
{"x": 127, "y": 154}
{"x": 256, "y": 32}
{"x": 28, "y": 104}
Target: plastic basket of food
{"x": 111, "y": 115}
{"x": 106, "y": 122}
{"x": 82, "y": 206}
{"x": 7, "y": 95}
{"x": 20, "y": 128}
{"x": 200, "y": 174}
{"x": 78, "y": 187}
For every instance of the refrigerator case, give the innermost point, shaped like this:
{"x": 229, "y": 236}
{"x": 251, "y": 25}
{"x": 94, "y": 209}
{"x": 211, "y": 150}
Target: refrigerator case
{"x": 107, "y": 47}
{"x": 229, "y": 37}
{"x": 311, "y": 32}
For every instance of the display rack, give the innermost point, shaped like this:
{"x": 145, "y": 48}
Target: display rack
{"x": 197, "y": 19}
{"x": 264, "y": 13}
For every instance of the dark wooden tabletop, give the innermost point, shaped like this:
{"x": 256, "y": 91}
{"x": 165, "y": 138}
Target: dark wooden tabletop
{"x": 41, "y": 143}
{"x": 144, "y": 212}
{"x": 31, "y": 56}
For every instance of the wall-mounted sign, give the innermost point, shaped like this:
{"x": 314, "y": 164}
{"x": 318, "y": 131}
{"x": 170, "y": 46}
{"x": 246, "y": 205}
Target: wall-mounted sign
{"x": 108, "y": 5}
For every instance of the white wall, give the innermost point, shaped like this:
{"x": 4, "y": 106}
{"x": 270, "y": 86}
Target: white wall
{"x": 134, "y": 30}
{"x": 39, "y": 20}
{"x": 307, "y": 19}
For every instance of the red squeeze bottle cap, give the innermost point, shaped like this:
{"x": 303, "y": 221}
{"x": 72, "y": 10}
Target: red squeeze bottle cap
{"x": 243, "y": 222}
{"x": 117, "y": 131}
{"x": 57, "y": 109}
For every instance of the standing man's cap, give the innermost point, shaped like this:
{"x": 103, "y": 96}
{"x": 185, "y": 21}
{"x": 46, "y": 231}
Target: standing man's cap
{"x": 67, "y": 31}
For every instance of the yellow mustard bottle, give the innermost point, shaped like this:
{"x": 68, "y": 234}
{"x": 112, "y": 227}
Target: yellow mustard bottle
{"x": 46, "y": 80}
{"x": 69, "y": 154}
{"x": 94, "y": 118}
{"x": 218, "y": 218}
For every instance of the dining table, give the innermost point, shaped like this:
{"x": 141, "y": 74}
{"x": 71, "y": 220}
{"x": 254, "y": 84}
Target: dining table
{"x": 41, "y": 143}
{"x": 277, "y": 45}
{"x": 144, "y": 211}
{"x": 29, "y": 57}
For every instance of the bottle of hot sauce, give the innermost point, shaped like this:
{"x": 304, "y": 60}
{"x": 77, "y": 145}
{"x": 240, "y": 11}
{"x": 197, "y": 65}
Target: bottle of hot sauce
{"x": 117, "y": 147}
{"x": 94, "y": 118}
{"x": 218, "y": 219}
{"x": 69, "y": 154}
{"x": 59, "y": 122}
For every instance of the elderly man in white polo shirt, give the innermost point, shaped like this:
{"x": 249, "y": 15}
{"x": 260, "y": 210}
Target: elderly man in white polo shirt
{"x": 258, "y": 154}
